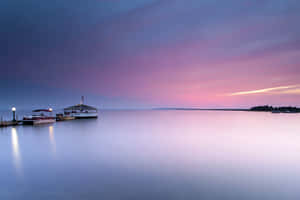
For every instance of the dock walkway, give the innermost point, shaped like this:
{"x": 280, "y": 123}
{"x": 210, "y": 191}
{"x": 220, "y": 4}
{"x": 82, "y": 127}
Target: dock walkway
{"x": 8, "y": 123}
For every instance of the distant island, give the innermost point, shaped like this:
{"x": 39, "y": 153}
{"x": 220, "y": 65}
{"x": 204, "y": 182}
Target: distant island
{"x": 205, "y": 109}
{"x": 272, "y": 109}
{"x": 265, "y": 108}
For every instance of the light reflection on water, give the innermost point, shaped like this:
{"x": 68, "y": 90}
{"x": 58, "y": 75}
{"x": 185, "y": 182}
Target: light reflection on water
{"x": 52, "y": 139}
{"x": 16, "y": 151}
{"x": 155, "y": 155}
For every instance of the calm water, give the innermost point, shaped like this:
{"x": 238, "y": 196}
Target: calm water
{"x": 154, "y": 155}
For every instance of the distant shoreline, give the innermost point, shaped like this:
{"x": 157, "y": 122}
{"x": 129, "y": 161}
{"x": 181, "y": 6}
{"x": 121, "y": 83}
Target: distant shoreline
{"x": 204, "y": 109}
{"x": 253, "y": 109}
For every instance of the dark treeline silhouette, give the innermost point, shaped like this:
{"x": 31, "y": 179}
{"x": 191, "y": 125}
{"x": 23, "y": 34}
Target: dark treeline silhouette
{"x": 266, "y": 108}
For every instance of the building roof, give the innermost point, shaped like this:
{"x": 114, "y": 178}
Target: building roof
{"x": 79, "y": 107}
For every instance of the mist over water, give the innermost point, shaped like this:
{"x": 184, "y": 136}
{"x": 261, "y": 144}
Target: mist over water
{"x": 154, "y": 155}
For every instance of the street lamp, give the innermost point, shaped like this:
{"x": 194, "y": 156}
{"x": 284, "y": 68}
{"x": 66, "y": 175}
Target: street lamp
{"x": 13, "y": 109}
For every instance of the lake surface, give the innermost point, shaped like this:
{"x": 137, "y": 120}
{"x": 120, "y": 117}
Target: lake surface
{"x": 154, "y": 155}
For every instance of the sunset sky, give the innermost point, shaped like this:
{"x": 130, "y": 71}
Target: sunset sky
{"x": 150, "y": 53}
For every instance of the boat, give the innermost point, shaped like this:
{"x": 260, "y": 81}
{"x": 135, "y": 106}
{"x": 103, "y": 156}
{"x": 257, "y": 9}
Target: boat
{"x": 81, "y": 111}
{"x": 39, "y": 116}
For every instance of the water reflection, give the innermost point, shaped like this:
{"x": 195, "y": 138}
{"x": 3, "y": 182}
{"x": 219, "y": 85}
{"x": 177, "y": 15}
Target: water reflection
{"x": 16, "y": 150}
{"x": 155, "y": 155}
{"x": 52, "y": 140}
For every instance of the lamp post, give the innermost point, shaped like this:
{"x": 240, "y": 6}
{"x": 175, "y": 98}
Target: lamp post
{"x": 50, "y": 110}
{"x": 13, "y": 109}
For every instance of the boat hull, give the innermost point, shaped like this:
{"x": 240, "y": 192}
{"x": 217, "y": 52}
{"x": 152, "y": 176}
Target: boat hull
{"x": 39, "y": 121}
{"x": 85, "y": 115}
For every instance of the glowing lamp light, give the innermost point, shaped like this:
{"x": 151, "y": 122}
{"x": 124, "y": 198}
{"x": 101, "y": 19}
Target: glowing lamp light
{"x": 50, "y": 109}
{"x": 13, "y": 109}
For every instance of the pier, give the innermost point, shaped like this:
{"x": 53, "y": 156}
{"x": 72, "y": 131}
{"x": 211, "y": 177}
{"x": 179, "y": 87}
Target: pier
{"x": 9, "y": 123}
{"x": 13, "y": 122}
{"x": 44, "y": 116}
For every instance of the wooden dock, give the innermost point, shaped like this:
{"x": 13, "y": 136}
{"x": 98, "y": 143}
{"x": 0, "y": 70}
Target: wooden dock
{"x": 8, "y": 123}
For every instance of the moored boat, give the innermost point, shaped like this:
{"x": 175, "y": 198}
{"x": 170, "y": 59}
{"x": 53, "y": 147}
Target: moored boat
{"x": 81, "y": 111}
{"x": 39, "y": 116}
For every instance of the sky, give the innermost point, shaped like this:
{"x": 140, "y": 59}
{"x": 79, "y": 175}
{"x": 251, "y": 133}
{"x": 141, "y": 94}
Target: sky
{"x": 150, "y": 53}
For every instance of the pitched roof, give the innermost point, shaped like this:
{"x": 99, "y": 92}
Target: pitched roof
{"x": 80, "y": 107}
